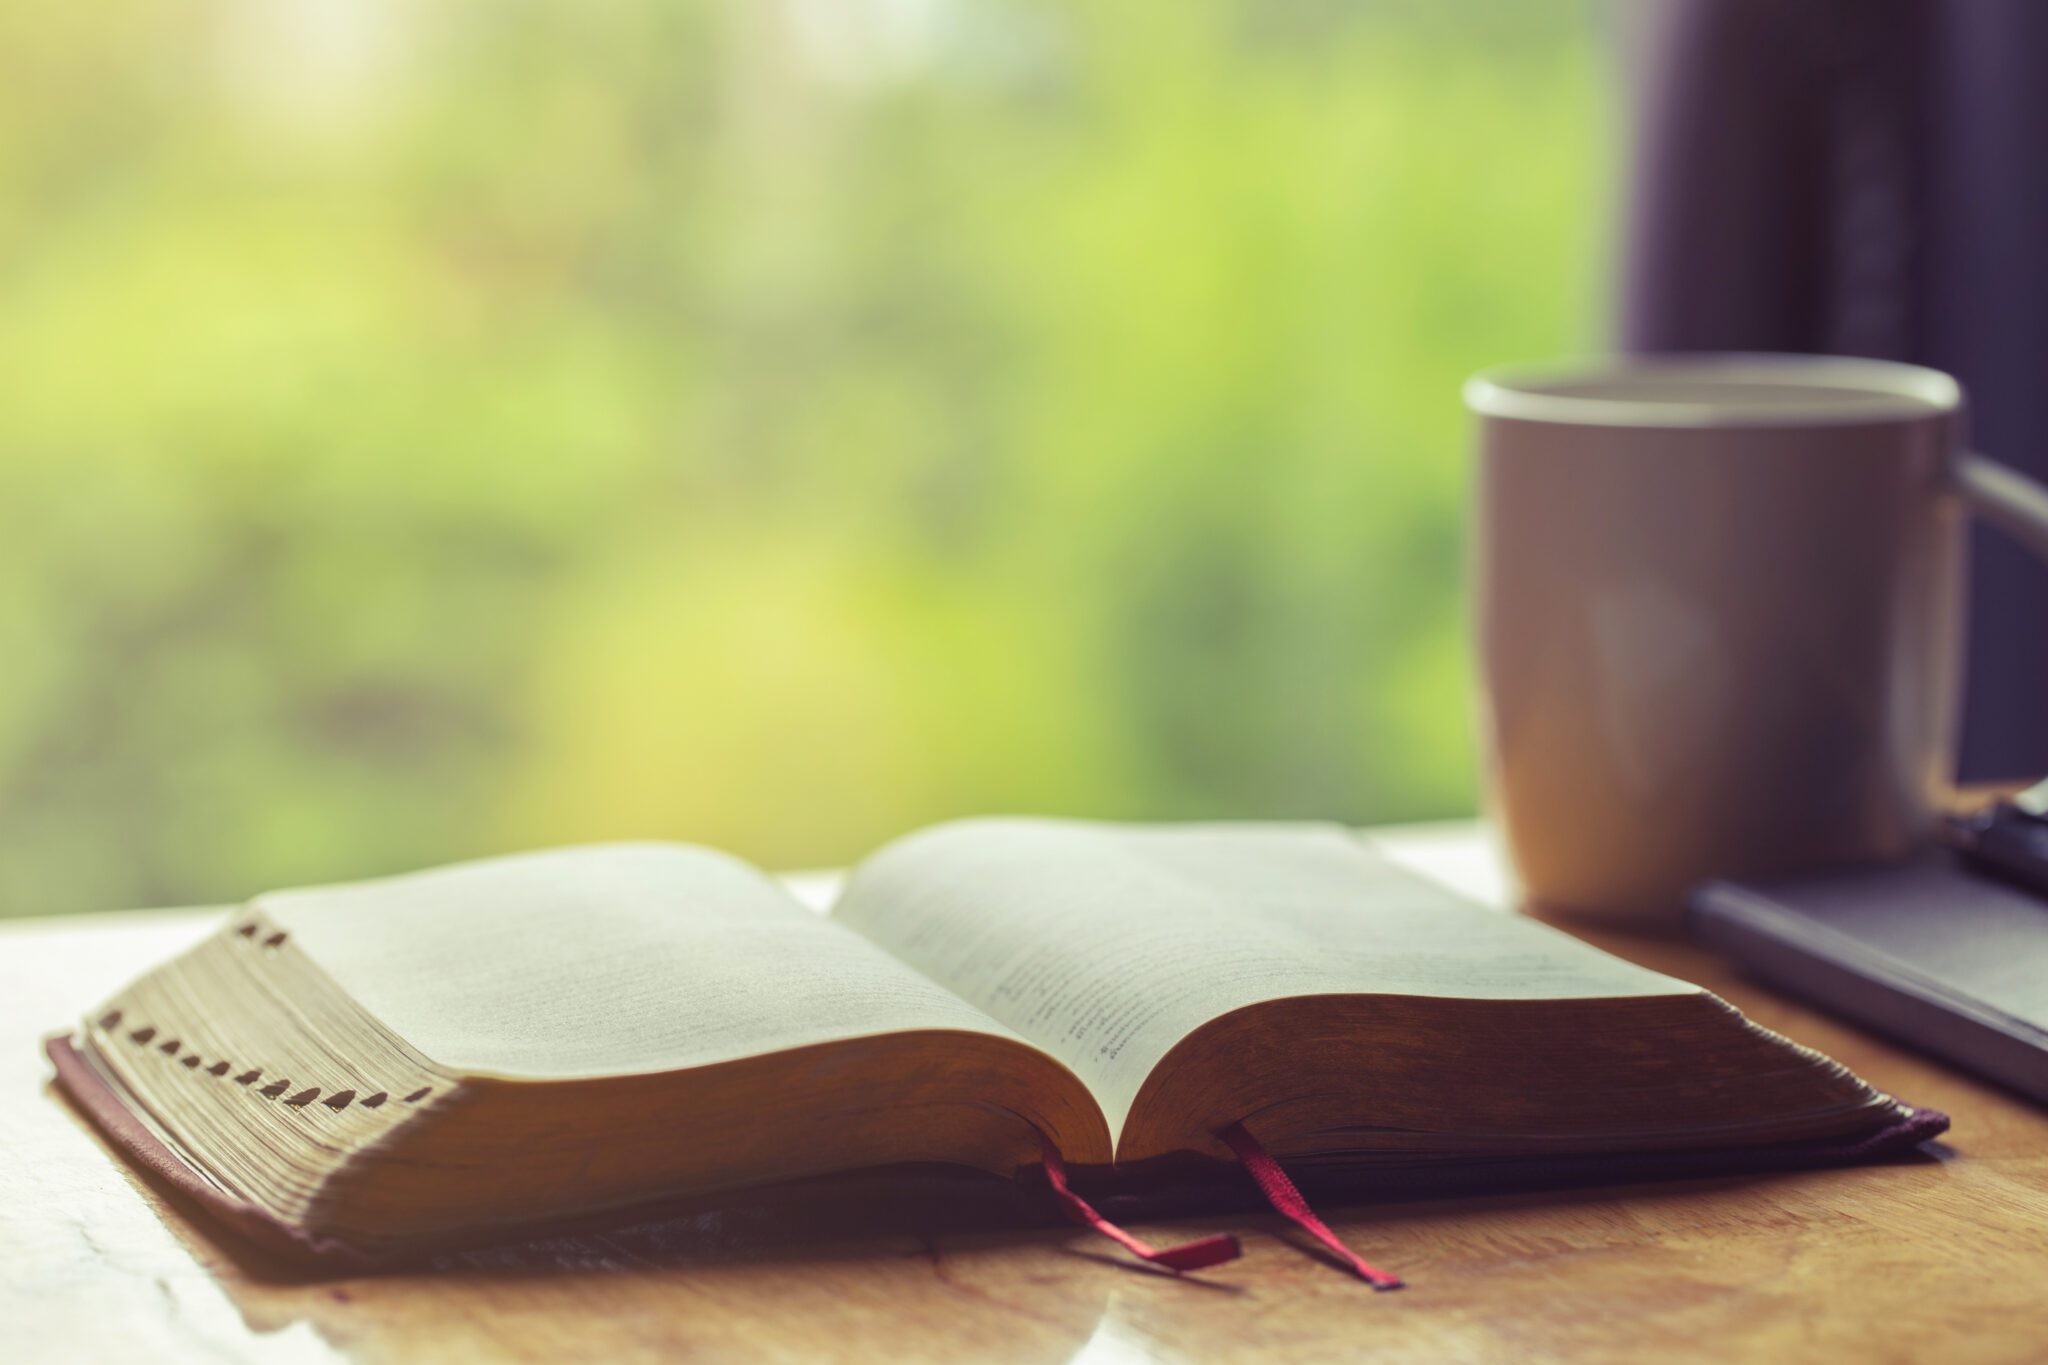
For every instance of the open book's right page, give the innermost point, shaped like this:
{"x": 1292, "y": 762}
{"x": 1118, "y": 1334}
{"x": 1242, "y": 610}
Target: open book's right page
{"x": 1107, "y": 944}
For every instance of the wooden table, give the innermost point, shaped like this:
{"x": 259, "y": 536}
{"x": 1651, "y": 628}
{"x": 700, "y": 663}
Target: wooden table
{"x": 1940, "y": 1260}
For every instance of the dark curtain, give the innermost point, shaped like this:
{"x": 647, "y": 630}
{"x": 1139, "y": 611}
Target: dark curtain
{"x": 1867, "y": 177}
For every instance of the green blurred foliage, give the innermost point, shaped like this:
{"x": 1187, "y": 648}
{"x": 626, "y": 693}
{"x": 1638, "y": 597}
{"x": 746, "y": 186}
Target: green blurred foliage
{"x": 433, "y": 429}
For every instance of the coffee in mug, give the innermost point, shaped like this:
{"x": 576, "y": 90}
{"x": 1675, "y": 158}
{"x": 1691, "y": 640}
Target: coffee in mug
{"x": 1719, "y": 613}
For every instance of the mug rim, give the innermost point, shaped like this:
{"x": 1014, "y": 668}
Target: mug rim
{"x": 1554, "y": 392}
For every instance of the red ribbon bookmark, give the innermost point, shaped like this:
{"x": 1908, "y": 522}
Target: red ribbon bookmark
{"x": 1289, "y": 1203}
{"x": 1196, "y": 1255}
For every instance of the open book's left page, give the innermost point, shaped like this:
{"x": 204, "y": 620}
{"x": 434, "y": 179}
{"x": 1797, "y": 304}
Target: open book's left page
{"x": 508, "y": 1042}
{"x": 604, "y": 961}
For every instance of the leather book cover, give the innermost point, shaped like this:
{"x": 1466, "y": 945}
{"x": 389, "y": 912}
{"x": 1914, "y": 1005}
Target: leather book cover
{"x": 1928, "y": 952}
{"x": 926, "y": 1198}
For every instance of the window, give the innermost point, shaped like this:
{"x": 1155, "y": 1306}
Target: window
{"x": 771, "y": 423}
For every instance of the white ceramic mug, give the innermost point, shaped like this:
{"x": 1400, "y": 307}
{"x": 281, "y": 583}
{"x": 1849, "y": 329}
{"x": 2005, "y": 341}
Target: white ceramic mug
{"x": 1719, "y": 615}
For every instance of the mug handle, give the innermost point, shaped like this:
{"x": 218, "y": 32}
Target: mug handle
{"x": 2006, "y": 498}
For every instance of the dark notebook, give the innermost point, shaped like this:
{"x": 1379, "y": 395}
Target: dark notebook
{"x": 1928, "y": 952}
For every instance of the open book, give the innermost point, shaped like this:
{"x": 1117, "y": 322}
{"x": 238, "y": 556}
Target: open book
{"x": 458, "y": 1053}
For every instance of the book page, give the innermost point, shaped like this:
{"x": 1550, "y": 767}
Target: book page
{"x": 606, "y": 960}
{"x": 1106, "y": 945}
